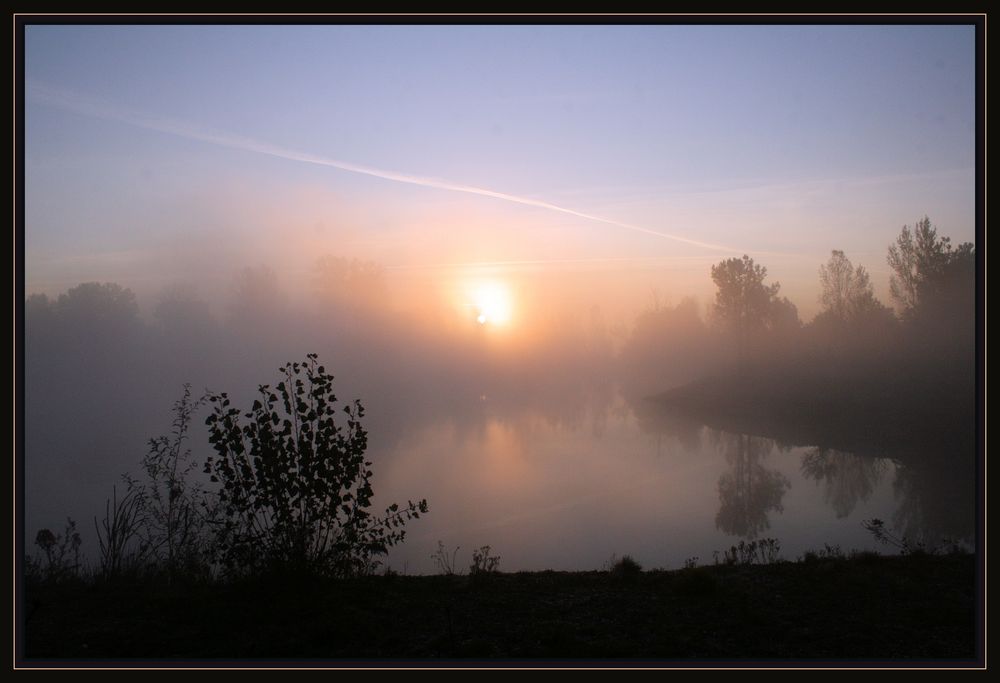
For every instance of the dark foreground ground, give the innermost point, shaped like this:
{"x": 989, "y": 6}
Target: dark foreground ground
{"x": 906, "y": 610}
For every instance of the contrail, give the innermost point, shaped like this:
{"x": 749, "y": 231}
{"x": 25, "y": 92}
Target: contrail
{"x": 545, "y": 262}
{"x": 64, "y": 99}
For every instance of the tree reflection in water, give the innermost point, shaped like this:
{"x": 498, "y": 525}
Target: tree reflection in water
{"x": 847, "y": 479}
{"x": 748, "y": 492}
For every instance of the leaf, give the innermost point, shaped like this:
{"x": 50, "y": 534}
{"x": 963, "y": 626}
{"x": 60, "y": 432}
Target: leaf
{"x": 303, "y": 480}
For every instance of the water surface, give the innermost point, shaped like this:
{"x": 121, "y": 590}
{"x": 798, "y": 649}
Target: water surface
{"x": 611, "y": 477}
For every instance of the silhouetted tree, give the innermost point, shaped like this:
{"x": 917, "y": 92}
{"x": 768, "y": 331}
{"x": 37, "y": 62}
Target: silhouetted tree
{"x": 853, "y": 321}
{"x": 295, "y": 486}
{"x": 934, "y": 285}
{"x": 927, "y": 268}
{"x": 94, "y": 332}
{"x": 847, "y": 291}
{"x": 743, "y": 303}
{"x": 783, "y": 317}
{"x": 87, "y": 366}
{"x": 97, "y": 308}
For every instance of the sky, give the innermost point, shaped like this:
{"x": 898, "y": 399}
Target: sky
{"x": 528, "y": 191}
{"x": 603, "y": 164}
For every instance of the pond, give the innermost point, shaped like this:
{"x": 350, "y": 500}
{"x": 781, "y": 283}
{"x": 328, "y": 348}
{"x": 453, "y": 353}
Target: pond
{"x": 552, "y": 471}
{"x": 616, "y": 477}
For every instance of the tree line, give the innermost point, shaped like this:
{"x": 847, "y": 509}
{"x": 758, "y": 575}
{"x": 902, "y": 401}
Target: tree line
{"x": 932, "y": 283}
{"x": 752, "y": 329}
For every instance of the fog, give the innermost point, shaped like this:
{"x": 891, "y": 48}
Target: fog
{"x": 103, "y": 367}
{"x": 475, "y": 348}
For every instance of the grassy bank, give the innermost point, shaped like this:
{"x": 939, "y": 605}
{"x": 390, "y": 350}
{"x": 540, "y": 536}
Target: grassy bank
{"x": 909, "y": 608}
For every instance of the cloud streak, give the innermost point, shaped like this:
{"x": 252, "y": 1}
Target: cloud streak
{"x": 528, "y": 263}
{"x": 89, "y": 106}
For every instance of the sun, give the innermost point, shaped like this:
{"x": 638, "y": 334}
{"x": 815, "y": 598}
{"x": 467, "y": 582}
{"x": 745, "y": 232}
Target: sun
{"x": 492, "y": 303}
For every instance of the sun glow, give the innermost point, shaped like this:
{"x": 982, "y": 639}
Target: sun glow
{"x": 492, "y": 304}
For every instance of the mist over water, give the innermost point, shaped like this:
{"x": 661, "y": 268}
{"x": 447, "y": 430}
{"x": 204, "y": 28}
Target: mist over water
{"x": 546, "y": 435}
{"x": 520, "y": 248}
